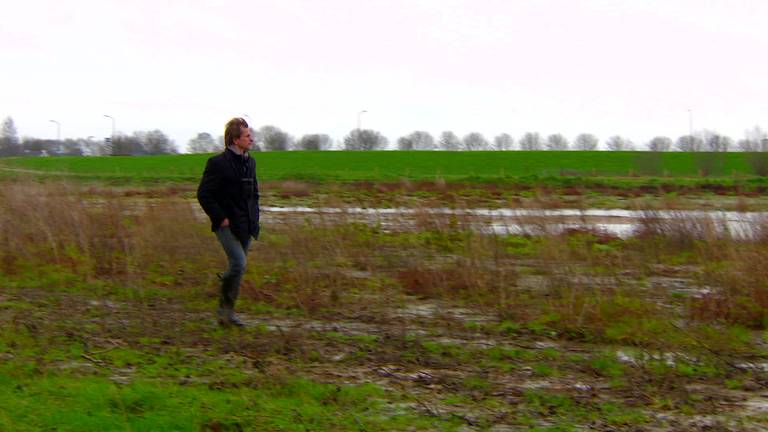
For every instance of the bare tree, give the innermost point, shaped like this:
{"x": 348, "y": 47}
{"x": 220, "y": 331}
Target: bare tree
{"x": 156, "y": 142}
{"x": 449, "y": 141}
{"x": 9, "y": 138}
{"x": 619, "y": 143}
{"x": 688, "y": 143}
{"x": 256, "y": 135}
{"x": 365, "y": 139}
{"x": 273, "y": 138}
{"x": 586, "y": 142}
{"x": 503, "y": 142}
{"x": 718, "y": 143}
{"x": 38, "y": 147}
{"x": 746, "y": 145}
{"x": 202, "y": 143}
{"x": 530, "y": 141}
{"x": 474, "y": 141}
{"x": 403, "y": 143}
{"x": 314, "y": 142}
{"x": 48, "y": 147}
{"x": 710, "y": 163}
{"x": 754, "y": 140}
{"x": 416, "y": 140}
{"x": 124, "y": 145}
{"x": 557, "y": 142}
{"x": 660, "y": 144}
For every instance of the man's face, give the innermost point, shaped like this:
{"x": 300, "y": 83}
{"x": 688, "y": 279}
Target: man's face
{"x": 245, "y": 141}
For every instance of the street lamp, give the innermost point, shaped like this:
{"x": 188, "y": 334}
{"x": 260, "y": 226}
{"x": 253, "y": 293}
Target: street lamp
{"x": 358, "y": 117}
{"x": 113, "y": 125}
{"x": 58, "y": 129}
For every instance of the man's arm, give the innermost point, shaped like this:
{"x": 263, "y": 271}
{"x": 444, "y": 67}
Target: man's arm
{"x": 206, "y": 194}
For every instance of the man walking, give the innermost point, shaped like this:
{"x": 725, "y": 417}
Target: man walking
{"x": 229, "y": 195}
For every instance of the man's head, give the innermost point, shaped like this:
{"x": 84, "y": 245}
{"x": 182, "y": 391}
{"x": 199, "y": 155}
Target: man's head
{"x": 238, "y": 134}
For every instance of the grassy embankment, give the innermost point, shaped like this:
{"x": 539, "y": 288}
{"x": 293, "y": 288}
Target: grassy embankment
{"x": 474, "y": 179}
{"x": 498, "y": 167}
{"x": 105, "y": 323}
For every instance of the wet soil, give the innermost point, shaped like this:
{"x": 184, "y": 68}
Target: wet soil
{"x": 434, "y": 352}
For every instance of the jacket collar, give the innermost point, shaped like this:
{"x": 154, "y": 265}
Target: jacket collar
{"x": 237, "y": 153}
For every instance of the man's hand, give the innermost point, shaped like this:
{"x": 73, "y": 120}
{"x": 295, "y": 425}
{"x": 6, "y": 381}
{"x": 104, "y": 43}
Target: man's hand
{"x": 224, "y": 223}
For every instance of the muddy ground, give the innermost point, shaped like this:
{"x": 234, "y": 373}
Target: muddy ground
{"x": 441, "y": 358}
{"x": 450, "y": 362}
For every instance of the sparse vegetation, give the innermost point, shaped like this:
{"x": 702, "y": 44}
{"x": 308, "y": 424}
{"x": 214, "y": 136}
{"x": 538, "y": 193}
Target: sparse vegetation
{"x": 106, "y": 309}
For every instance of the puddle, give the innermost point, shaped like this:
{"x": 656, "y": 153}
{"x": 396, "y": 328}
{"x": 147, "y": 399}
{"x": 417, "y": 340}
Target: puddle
{"x": 635, "y": 358}
{"x": 618, "y": 222}
{"x": 679, "y": 286}
{"x": 757, "y": 405}
{"x": 347, "y": 328}
{"x": 81, "y": 366}
{"x": 546, "y": 344}
{"x": 760, "y": 367}
{"x": 104, "y": 303}
{"x": 400, "y": 321}
{"x": 123, "y": 376}
{"x": 509, "y": 212}
{"x": 434, "y": 310}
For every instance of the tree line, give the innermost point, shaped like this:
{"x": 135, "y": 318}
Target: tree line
{"x": 152, "y": 142}
{"x": 272, "y": 138}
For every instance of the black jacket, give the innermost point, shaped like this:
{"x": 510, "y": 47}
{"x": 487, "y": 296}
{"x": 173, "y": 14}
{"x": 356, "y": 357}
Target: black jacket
{"x": 229, "y": 189}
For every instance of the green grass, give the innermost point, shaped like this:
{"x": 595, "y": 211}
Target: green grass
{"x": 481, "y": 166}
{"x": 68, "y": 403}
{"x": 567, "y": 408}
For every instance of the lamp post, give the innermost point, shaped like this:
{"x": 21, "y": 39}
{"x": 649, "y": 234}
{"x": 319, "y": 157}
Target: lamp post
{"x": 360, "y": 113}
{"x": 58, "y": 129}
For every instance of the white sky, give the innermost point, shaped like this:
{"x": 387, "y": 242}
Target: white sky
{"x": 632, "y": 68}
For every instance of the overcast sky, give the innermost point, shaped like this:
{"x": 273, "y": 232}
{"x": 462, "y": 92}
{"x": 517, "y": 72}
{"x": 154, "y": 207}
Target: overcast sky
{"x": 633, "y": 67}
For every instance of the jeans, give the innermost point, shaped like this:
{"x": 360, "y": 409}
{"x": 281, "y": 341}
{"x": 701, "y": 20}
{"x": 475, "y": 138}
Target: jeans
{"x": 230, "y": 281}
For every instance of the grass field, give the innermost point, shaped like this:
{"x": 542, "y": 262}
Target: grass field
{"x": 395, "y": 165}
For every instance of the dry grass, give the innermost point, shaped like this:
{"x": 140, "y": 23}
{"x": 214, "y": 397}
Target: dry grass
{"x": 333, "y": 261}
{"x": 733, "y": 268}
{"x": 293, "y": 189}
{"x": 461, "y": 280}
{"x": 741, "y": 294}
{"x": 57, "y": 224}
